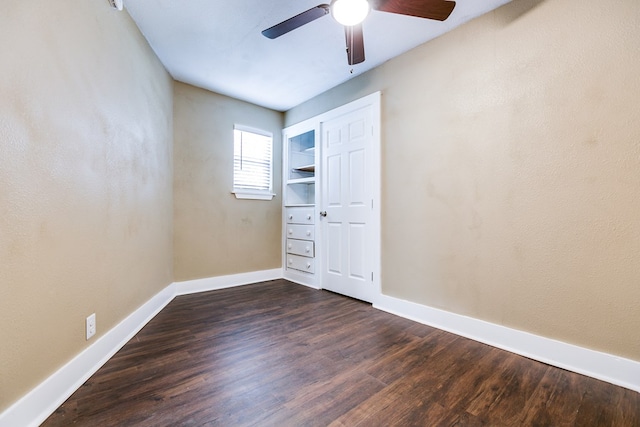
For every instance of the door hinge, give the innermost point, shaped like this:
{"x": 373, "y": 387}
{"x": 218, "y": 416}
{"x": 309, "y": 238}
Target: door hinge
{"x": 372, "y": 276}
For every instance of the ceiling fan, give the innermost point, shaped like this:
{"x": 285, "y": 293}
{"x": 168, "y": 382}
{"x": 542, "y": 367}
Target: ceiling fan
{"x": 351, "y": 13}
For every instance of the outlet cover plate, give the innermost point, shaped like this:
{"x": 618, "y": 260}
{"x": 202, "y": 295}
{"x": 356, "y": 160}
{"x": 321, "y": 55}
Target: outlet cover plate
{"x": 91, "y": 326}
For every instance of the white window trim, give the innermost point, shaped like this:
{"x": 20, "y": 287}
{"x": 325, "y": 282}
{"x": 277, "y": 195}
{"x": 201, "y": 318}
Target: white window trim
{"x": 255, "y": 195}
{"x": 244, "y": 194}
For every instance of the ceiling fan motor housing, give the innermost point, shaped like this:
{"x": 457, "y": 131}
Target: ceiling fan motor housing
{"x": 350, "y": 12}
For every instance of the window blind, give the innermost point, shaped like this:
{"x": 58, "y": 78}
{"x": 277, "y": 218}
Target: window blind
{"x": 252, "y": 161}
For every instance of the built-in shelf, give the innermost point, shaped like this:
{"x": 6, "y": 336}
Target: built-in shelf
{"x": 299, "y": 167}
{"x": 298, "y": 205}
{"x": 299, "y": 200}
{"x": 307, "y": 180}
{"x": 305, "y": 168}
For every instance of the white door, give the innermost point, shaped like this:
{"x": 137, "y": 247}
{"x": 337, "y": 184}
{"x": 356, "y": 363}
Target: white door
{"x": 347, "y": 204}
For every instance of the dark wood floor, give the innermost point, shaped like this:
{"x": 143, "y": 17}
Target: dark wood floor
{"x": 280, "y": 354}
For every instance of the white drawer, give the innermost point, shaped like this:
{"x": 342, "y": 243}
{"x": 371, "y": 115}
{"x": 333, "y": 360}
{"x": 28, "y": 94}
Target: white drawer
{"x": 301, "y": 263}
{"x": 301, "y": 247}
{"x": 300, "y": 215}
{"x": 302, "y": 232}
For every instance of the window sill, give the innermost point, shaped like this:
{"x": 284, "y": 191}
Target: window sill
{"x": 249, "y": 195}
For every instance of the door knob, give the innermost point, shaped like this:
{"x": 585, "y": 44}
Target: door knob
{"x": 323, "y": 213}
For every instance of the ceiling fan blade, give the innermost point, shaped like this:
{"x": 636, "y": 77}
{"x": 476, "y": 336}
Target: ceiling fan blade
{"x": 297, "y": 21}
{"x": 429, "y": 9}
{"x": 355, "y": 44}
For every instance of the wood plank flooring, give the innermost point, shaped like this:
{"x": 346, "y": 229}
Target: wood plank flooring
{"x": 281, "y": 354}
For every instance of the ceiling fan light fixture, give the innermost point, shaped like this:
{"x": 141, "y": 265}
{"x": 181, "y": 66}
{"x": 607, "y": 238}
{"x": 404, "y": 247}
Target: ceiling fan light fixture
{"x": 350, "y": 12}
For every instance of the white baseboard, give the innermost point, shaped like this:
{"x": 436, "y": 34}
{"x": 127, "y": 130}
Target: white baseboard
{"x": 303, "y": 283}
{"x": 606, "y": 367}
{"x": 222, "y": 282}
{"x": 305, "y": 279}
{"x": 43, "y": 400}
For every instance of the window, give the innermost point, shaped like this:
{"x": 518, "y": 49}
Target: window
{"x": 252, "y": 166}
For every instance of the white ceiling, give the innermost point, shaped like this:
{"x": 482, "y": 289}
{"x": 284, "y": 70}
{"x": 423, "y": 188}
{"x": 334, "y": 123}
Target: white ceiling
{"x": 217, "y": 45}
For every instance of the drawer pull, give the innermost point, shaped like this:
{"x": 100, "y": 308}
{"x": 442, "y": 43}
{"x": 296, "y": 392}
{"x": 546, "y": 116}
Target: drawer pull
{"x": 308, "y": 265}
{"x": 308, "y": 233}
{"x": 307, "y": 249}
{"x": 290, "y": 231}
{"x": 290, "y": 216}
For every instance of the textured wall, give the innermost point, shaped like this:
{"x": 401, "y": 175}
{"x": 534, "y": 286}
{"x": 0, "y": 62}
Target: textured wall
{"x": 214, "y": 233}
{"x": 85, "y": 181}
{"x": 511, "y": 170}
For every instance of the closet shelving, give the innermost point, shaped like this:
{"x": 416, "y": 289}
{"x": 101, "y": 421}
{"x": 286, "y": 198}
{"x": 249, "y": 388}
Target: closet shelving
{"x": 299, "y": 222}
{"x": 300, "y": 165}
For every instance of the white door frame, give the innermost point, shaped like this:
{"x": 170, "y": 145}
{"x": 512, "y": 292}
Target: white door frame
{"x": 373, "y": 177}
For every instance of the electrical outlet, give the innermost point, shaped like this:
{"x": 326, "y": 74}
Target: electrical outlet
{"x": 91, "y": 326}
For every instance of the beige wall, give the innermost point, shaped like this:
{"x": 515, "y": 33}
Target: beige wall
{"x": 214, "y": 233}
{"x": 511, "y": 151}
{"x": 511, "y": 170}
{"x": 85, "y": 181}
